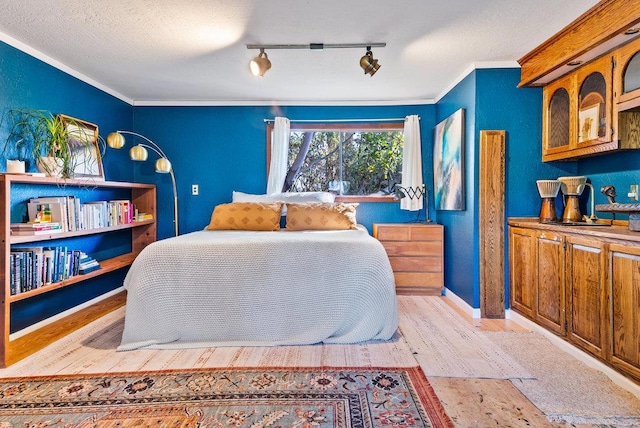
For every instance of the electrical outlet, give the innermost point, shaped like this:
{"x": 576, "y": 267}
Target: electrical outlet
{"x": 633, "y": 192}
{"x": 195, "y": 189}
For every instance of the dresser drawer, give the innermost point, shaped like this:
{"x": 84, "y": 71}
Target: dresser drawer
{"x": 416, "y": 264}
{"x": 415, "y": 252}
{"x": 412, "y": 248}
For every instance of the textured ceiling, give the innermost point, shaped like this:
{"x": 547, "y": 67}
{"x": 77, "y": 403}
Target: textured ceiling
{"x": 194, "y": 51}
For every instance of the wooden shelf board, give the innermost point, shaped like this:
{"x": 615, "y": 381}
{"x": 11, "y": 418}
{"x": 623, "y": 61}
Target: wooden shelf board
{"x": 106, "y": 266}
{"x": 37, "y": 238}
{"x": 32, "y": 342}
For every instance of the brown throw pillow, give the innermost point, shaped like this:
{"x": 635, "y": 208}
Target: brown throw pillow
{"x": 321, "y": 216}
{"x": 246, "y": 216}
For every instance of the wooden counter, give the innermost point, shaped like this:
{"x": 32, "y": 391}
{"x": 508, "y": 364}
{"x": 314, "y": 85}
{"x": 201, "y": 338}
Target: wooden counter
{"x": 582, "y": 283}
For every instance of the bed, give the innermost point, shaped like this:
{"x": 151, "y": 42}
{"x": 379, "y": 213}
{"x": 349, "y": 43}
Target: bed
{"x": 260, "y": 288}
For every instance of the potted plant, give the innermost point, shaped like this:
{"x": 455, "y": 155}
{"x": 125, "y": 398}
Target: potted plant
{"x": 52, "y": 141}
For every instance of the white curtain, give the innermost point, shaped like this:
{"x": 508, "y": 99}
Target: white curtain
{"x": 279, "y": 155}
{"x": 412, "y": 163}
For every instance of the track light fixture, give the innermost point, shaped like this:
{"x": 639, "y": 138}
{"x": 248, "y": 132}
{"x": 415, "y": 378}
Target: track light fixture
{"x": 368, "y": 63}
{"x": 260, "y": 64}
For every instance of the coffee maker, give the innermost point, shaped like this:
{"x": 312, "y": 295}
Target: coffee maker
{"x": 548, "y": 190}
{"x": 572, "y": 188}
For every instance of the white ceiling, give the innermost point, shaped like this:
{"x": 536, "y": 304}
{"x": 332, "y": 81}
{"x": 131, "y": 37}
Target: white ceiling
{"x": 194, "y": 51}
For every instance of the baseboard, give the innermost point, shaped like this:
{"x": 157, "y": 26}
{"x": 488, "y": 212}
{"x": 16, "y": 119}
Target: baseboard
{"x": 473, "y": 312}
{"x": 66, "y": 313}
{"x": 582, "y": 356}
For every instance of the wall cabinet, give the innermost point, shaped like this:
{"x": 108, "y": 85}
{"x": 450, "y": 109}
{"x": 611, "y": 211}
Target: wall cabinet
{"x": 591, "y": 83}
{"x": 578, "y": 113}
{"x": 142, "y": 234}
{"x": 416, "y": 255}
{"x": 583, "y": 285}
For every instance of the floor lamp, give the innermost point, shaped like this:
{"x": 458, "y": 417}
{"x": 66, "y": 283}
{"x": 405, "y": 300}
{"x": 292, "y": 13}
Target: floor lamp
{"x": 139, "y": 152}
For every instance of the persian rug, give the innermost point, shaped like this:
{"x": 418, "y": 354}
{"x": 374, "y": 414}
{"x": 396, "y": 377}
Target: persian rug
{"x": 248, "y": 397}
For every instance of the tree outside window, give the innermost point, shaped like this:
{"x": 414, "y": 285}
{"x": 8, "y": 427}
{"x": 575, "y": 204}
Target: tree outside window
{"x": 346, "y": 159}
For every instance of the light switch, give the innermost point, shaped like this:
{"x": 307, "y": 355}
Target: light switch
{"x": 195, "y": 189}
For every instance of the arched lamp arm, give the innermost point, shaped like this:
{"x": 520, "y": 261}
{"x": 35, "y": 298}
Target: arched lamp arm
{"x": 153, "y": 146}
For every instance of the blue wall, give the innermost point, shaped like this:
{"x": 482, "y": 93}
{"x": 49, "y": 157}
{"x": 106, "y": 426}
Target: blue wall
{"x": 460, "y": 248}
{"x": 492, "y": 101}
{"x": 29, "y": 83}
{"x": 224, "y": 149}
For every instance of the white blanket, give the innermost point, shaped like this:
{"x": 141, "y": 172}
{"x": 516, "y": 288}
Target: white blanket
{"x": 242, "y": 288}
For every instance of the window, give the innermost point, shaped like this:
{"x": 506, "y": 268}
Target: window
{"x": 354, "y": 161}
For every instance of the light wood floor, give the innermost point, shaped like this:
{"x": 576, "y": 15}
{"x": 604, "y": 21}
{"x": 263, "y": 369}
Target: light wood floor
{"x": 469, "y": 402}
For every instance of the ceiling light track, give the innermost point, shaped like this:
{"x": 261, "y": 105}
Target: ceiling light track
{"x": 320, "y": 46}
{"x": 261, "y": 63}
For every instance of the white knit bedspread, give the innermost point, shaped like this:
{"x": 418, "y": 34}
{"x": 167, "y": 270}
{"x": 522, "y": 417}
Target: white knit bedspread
{"x": 243, "y": 288}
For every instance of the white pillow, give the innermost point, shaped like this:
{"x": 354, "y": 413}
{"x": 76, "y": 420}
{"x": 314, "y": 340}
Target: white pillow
{"x": 286, "y": 197}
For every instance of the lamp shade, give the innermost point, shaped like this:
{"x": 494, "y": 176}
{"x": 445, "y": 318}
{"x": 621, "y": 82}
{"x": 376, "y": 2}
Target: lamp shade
{"x": 369, "y": 64}
{"x": 163, "y": 165}
{"x": 260, "y": 64}
{"x": 115, "y": 140}
{"x": 138, "y": 153}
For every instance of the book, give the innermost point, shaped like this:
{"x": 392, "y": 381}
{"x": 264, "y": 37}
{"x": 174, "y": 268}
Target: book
{"x": 35, "y": 226}
{"x": 87, "y": 269}
{"x": 36, "y": 232}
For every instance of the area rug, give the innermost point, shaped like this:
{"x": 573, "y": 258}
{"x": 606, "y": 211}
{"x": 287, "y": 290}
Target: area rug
{"x": 565, "y": 389}
{"x": 278, "y": 397}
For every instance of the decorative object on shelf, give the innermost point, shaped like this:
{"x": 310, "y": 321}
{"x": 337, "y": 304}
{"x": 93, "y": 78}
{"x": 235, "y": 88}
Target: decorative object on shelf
{"x": 61, "y": 146}
{"x": 610, "y": 192}
{"x": 16, "y": 166}
{"x": 448, "y": 163}
{"x": 548, "y": 190}
{"x": 260, "y": 64}
{"x": 632, "y": 209}
{"x": 414, "y": 193}
{"x": 116, "y": 140}
{"x": 572, "y": 188}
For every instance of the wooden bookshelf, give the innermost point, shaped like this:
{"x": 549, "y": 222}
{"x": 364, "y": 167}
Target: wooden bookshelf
{"x": 143, "y": 233}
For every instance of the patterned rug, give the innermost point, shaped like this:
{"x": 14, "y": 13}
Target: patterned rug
{"x": 266, "y": 397}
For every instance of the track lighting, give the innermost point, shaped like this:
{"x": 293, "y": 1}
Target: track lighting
{"x": 260, "y": 64}
{"x": 368, "y": 63}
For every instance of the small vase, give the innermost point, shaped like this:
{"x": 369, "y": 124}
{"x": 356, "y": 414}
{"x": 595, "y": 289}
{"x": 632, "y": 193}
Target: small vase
{"x": 15, "y": 166}
{"x": 51, "y": 166}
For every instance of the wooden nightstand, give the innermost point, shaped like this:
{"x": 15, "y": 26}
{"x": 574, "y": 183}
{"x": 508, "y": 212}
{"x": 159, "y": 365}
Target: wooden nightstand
{"x": 416, "y": 255}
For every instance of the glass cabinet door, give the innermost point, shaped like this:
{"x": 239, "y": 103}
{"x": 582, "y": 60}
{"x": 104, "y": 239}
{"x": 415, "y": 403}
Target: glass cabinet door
{"x": 592, "y": 123}
{"x": 558, "y": 119}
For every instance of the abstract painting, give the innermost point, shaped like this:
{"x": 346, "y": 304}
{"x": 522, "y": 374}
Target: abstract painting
{"x": 448, "y": 159}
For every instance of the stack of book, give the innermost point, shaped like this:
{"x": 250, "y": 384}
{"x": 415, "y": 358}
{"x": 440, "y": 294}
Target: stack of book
{"x": 30, "y": 229}
{"x": 34, "y": 267}
{"x": 87, "y": 264}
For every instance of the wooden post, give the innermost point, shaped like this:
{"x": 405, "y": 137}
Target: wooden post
{"x": 491, "y": 223}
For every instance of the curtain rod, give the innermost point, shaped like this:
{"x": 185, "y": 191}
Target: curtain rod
{"x": 393, "y": 119}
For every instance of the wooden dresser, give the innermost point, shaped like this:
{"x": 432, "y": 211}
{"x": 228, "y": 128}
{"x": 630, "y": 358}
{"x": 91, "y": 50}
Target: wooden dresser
{"x": 416, "y": 255}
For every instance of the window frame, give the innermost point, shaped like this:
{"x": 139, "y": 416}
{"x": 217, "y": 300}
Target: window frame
{"x": 325, "y": 126}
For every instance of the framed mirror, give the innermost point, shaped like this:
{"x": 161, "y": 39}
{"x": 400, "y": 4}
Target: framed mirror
{"x": 84, "y": 143}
